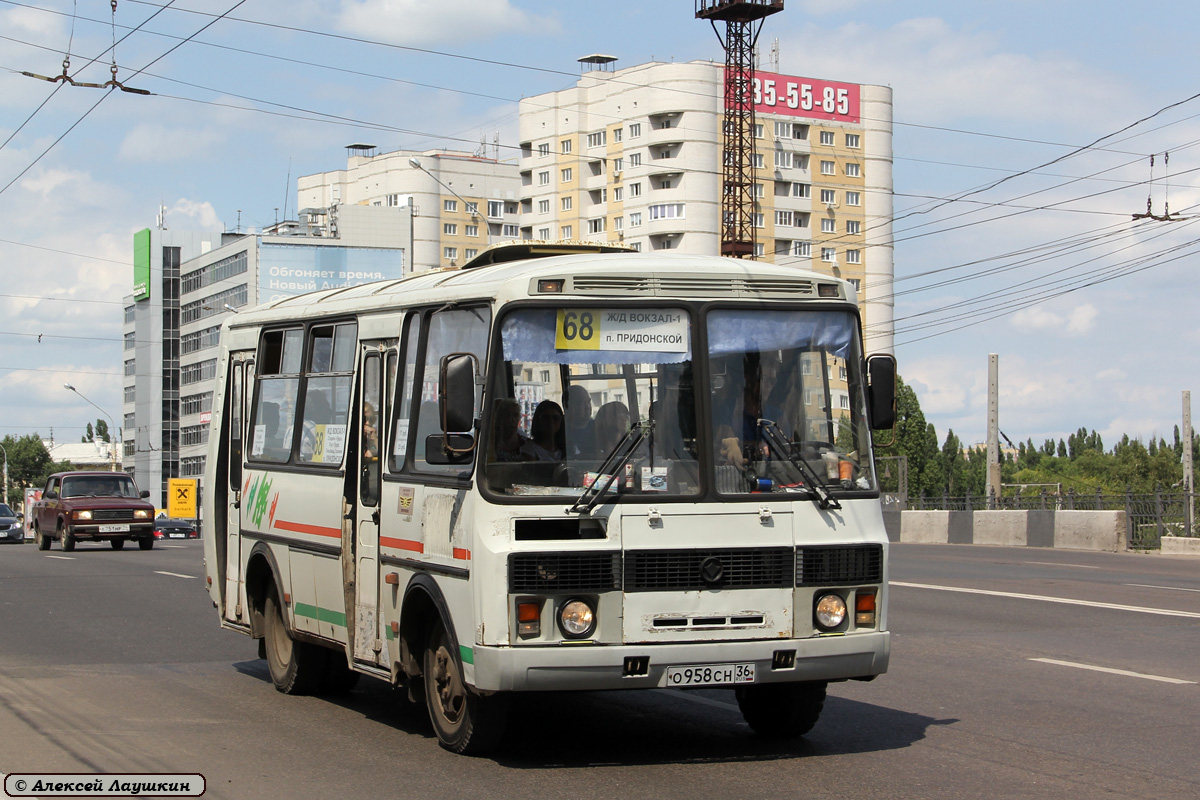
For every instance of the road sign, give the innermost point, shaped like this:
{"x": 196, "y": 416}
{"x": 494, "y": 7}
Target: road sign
{"x": 181, "y": 498}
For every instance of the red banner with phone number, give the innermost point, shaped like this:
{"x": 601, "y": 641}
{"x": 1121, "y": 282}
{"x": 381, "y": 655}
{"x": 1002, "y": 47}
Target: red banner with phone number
{"x": 806, "y": 97}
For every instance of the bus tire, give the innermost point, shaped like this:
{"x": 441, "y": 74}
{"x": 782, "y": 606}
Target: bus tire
{"x": 464, "y": 722}
{"x": 66, "y": 538}
{"x": 295, "y": 667}
{"x": 43, "y": 542}
{"x": 782, "y": 710}
{"x": 338, "y": 677}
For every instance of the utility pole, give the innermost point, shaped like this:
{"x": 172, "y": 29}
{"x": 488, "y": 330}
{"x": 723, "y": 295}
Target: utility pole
{"x": 993, "y": 432}
{"x": 1189, "y": 480}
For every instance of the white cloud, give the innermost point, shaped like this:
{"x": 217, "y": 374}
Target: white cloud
{"x": 154, "y": 143}
{"x": 199, "y": 216}
{"x": 1077, "y": 322}
{"x": 419, "y": 22}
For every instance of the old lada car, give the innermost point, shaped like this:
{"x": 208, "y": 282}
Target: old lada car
{"x": 93, "y": 507}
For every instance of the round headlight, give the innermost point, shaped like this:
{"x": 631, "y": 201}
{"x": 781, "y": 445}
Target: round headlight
{"x": 83, "y": 515}
{"x": 830, "y": 612}
{"x": 576, "y": 619}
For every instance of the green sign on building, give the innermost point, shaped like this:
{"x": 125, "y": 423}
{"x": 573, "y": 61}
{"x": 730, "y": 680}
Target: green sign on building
{"x": 141, "y": 265}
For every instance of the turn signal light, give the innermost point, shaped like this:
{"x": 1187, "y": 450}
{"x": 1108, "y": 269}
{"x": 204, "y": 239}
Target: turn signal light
{"x": 864, "y": 610}
{"x": 529, "y": 619}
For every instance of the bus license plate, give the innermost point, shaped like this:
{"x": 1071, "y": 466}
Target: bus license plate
{"x": 710, "y": 675}
{"x": 114, "y": 529}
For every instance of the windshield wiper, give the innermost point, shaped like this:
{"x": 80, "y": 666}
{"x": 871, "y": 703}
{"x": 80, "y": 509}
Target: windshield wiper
{"x": 778, "y": 444}
{"x": 617, "y": 457}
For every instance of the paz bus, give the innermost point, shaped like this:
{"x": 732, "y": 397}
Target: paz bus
{"x": 555, "y": 468}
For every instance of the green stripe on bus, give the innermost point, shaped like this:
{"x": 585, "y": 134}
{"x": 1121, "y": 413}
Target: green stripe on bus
{"x": 467, "y": 654}
{"x": 320, "y": 614}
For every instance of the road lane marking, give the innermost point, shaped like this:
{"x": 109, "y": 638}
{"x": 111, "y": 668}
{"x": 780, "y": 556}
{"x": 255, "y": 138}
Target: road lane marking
{"x": 63, "y": 558}
{"x": 1052, "y": 564}
{"x": 1111, "y": 671}
{"x": 1151, "y": 586}
{"x": 1163, "y": 612}
{"x": 174, "y": 574}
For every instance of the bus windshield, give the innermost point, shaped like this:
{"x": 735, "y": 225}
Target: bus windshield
{"x": 573, "y": 383}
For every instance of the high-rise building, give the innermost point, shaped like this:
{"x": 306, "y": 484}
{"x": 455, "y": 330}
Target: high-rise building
{"x": 635, "y": 156}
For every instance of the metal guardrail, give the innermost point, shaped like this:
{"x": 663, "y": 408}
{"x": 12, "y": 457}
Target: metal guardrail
{"x": 1147, "y": 516}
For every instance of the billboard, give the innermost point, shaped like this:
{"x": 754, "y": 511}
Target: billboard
{"x": 141, "y": 265}
{"x": 809, "y": 98}
{"x": 287, "y": 270}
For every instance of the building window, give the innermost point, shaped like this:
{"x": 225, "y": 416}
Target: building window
{"x": 200, "y": 371}
{"x": 616, "y": 134}
{"x": 471, "y": 230}
{"x": 193, "y": 404}
{"x": 130, "y": 313}
{"x": 829, "y": 254}
{"x": 618, "y": 223}
{"x": 193, "y": 435}
{"x": 129, "y": 394}
{"x": 544, "y": 178}
{"x": 783, "y": 159}
{"x": 783, "y": 218}
{"x": 450, "y": 253}
{"x": 828, "y": 225}
{"x": 853, "y": 257}
{"x": 635, "y": 130}
{"x": 131, "y": 366}
{"x": 635, "y": 190}
{"x": 450, "y": 229}
{"x": 566, "y": 175}
{"x": 597, "y": 139}
{"x": 565, "y": 203}
{"x": 802, "y": 219}
{"x": 757, "y": 160}
{"x": 856, "y": 283}
{"x": 495, "y": 209}
{"x": 618, "y": 165}
{"x": 450, "y": 205}
{"x": 667, "y": 211}
{"x": 544, "y": 149}
{"x": 758, "y": 130}
{"x": 801, "y": 190}
{"x": 199, "y": 340}
{"x": 635, "y": 159}
{"x": 470, "y": 253}
{"x": 596, "y": 225}
{"x": 544, "y": 234}
{"x": 853, "y": 171}
{"x": 635, "y": 219}
{"x": 828, "y": 196}
{"x": 802, "y": 249}
{"x": 618, "y": 194}
{"x": 827, "y": 138}
{"x": 130, "y": 341}
{"x": 566, "y": 146}
{"x": 827, "y": 167}
{"x": 852, "y": 140}
{"x": 543, "y": 206}
{"x": 853, "y": 226}
{"x": 852, "y": 199}
{"x": 565, "y": 232}
{"x": 759, "y": 221}
{"x": 512, "y": 231}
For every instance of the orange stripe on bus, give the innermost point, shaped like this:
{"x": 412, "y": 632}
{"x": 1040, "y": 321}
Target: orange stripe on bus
{"x": 402, "y": 544}
{"x": 314, "y": 530}
{"x": 460, "y": 553}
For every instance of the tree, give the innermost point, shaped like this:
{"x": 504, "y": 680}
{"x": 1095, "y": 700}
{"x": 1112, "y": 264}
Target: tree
{"x": 910, "y": 441}
{"x": 99, "y": 433}
{"x": 29, "y": 464}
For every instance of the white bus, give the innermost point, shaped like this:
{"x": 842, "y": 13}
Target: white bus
{"x": 555, "y": 470}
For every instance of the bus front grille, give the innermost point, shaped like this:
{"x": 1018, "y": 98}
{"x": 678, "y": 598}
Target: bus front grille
{"x": 546, "y": 573}
{"x": 695, "y": 570}
{"x": 839, "y": 565}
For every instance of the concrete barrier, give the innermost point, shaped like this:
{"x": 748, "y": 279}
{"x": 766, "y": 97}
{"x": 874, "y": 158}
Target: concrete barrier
{"x": 1180, "y": 546}
{"x": 1001, "y": 528}
{"x": 1071, "y": 530}
{"x": 1090, "y": 530}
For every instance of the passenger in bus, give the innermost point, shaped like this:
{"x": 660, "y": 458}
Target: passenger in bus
{"x": 579, "y": 432}
{"x": 370, "y": 432}
{"x": 546, "y": 432}
{"x": 612, "y": 422}
{"x": 507, "y": 440}
{"x": 317, "y": 414}
{"x": 736, "y": 430}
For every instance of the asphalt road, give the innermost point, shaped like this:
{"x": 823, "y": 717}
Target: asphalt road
{"x": 1016, "y": 673}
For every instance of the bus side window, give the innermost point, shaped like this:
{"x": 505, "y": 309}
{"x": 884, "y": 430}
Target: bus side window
{"x": 458, "y": 330}
{"x": 404, "y": 393}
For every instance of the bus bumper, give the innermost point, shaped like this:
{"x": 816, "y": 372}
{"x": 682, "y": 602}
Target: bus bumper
{"x": 599, "y": 667}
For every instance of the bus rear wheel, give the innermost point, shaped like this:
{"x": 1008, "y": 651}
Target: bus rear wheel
{"x": 295, "y": 667}
{"x": 782, "y": 710}
{"x": 464, "y": 722}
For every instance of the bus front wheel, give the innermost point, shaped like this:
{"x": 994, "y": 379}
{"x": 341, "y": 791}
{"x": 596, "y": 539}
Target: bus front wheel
{"x": 782, "y": 710}
{"x": 295, "y": 667}
{"x": 464, "y": 722}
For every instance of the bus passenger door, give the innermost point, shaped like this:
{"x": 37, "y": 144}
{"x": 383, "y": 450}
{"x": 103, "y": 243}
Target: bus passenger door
{"x": 241, "y": 377}
{"x": 378, "y": 360}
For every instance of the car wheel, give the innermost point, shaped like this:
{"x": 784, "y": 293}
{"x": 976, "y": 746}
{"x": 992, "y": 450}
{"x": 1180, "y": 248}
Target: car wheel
{"x": 117, "y": 544}
{"x": 465, "y": 722}
{"x": 295, "y": 667}
{"x": 43, "y": 542}
{"x": 146, "y": 543}
{"x": 66, "y": 538}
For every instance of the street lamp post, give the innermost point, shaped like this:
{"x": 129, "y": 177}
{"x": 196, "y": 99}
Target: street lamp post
{"x": 5, "y": 498}
{"x": 112, "y": 453}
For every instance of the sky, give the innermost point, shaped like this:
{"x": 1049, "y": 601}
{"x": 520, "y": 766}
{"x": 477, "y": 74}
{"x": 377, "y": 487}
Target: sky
{"x": 1023, "y": 139}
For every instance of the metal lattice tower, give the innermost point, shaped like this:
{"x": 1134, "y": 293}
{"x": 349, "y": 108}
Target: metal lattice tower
{"x": 738, "y": 236}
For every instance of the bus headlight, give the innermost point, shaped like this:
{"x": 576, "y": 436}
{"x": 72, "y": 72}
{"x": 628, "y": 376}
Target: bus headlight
{"x": 576, "y": 619}
{"x": 830, "y": 612}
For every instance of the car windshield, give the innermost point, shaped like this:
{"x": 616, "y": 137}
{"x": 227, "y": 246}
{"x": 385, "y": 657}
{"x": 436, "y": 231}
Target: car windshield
{"x": 99, "y": 486}
{"x": 788, "y": 401}
{"x": 5, "y": 511}
{"x": 573, "y": 384}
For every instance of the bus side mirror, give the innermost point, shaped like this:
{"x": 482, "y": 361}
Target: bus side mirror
{"x": 456, "y": 401}
{"x": 881, "y": 391}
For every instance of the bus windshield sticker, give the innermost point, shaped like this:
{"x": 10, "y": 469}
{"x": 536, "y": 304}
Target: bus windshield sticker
{"x": 260, "y": 440}
{"x": 624, "y": 329}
